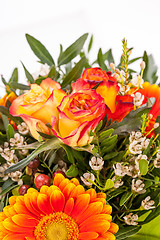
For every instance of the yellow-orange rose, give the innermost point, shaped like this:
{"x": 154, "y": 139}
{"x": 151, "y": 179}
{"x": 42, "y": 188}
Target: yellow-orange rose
{"x": 79, "y": 113}
{"x": 37, "y": 106}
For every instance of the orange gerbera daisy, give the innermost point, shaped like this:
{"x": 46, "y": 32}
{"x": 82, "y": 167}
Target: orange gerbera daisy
{"x": 63, "y": 211}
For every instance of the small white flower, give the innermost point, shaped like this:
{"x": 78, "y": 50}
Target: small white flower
{"x": 137, "y": 159}
{"x": 135, "y": 147}
{"x": 6, "y": 144}
{"x": 8, "y": 154}
{"x": 24, "y": 151}
{"x": 117, "y": 183}
{"x": 137, "y": 99}
{"x": 23, "y": 128}
{"x": 86, "y": 177}
{"x": 156, "y": 161}
{"x": 138, "y": 186}
{"x": 133, "y": 171}
{"x": 96, "y": 163}
{"x": 137, "y": 81}
{"x": 17, "y": 140}
{"x": 131, "y": 219}
{"x": 44, "y": 70}
{"x": 147, "y": 203}
{"x": 120, "y": 169}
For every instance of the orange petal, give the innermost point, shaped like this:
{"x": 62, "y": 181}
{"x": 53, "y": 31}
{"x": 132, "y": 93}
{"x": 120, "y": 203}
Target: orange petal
{"x": 51, "y": 189}
{"x": 101, "y": 195}
{"x": 80, "y": 205}
{"x": 24, "y": 220}
{"x": 11, "y": 226}
{"x": 77, "y": 191}
{"x": 107, "y": 209}
{"x": 93, "y": 208}
{"x": 92, "y": 193}
{"x": 113, "y": 228}
{"x": 43, "y": 204}
{"x": 44, "y": 189}
{"x": 95, "y": 223}
{"x": 58, "y": 179}
{"x": 12, "y": 200}
{"x": 29, "y": 205}
{"x": 108, "y": 236}
{"x": 21, "y": 209}
{"x": 57, "y": 201}
{"x": 75, "y": 181}
{"x": 88, "y": 235}
{"x": 64, "y": 183}
{"x": 68, "y": 190}
{"x": 69, "y": 206}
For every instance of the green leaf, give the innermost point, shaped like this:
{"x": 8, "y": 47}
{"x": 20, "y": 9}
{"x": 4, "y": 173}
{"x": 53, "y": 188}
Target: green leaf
{"x": 105, "y": 134}
{"x": 109, "y": 184}
{"x": 150, "y": 71}
{"x": 100, "y": 60}
{"x": 10, "y": 131}
{"x": 109, "y": 141}
{"x": 72, "y": 171}
{"x": 143, "y": 166}
{"x": 90, "y": 43}
{"x": 3, "y": 80}
{"x": 75, "y": 73}
{"x": 53, "y": 143}
{"x": 110, "y": 155}
{"x": 69, "y": 153}
{"x": 8, "y": 189}
{"x": 5, "y": 121}
{"x": 149, "y": 231}
{"x": 125, "y": 197}
{"x": 126, "y": 232}
{"x": 40, "y": 50}
{"x": 14, "y": 77}
{"x": 134, "y": 60}
{"x": 20, "y": 86}
{"x": 28, "y": 75}
{"x": 72, "y": 51}
{"x": 108, "y": 56}
{"x": 5, "y": 112}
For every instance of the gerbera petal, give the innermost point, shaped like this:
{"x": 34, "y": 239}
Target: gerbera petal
{"x": 93, "y": 208}
{"x": 29, "y": 205}
{"x": 108, "y": 236}
{"x": 113, "y": 228}
{"x": 77, "y": 191}
{"x": 81, "y": 204}
{"x": 68, "y": 190}
{"x": 44, "y": 189}
{"x": 98, "y": 224}
{"x": 58, "y": 179}
{"x": 57, "y": 201}
{"x": 107, "y": 209}
{"x": 11, "y": 226}
{"x": 12, "y": 200}
{"x": 75, "y": 181}
{"x": 21, "y": 209}
{"x": 43, "y": 204}
{"x": 88, "y": 235}
{"x": 22, "y": 219}
{"x": 69, "y": 206}
{"x": 92, "y": 193}
{"x": 64, "y": 183}
{"x": 14, "y": 236}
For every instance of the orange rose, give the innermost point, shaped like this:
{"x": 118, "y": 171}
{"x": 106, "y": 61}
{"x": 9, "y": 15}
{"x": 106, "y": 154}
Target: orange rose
{"x": 117, "y": 106}
{"x": 6, "y": 98}
{"x": 37, "y": 106}
{"x": 79, "y": 113}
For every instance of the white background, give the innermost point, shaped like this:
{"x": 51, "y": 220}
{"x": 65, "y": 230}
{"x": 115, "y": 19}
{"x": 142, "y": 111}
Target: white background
{"x": 57, "y": 21}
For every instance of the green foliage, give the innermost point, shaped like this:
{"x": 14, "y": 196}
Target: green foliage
{"x": 150, "y": 71}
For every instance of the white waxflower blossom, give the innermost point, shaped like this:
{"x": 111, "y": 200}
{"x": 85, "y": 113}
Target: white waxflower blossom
{"x": 147, "y": 203}
{"x": 6, "y": 144}
{"x": 8, "y": 154}
{"x": 117, "y": 183}
{"x": 24, "y": 151}
{"x": 137, "y": 99}
{"x": 137, "y": 81}
{"x": 133, "y": 171}
{"x": 44, "y": 71}
{"x": 17, "y": 140}
{"x": 123, "y": 89}
{"x": 96, "y": 163}
{"x": 23, "y": 128}
{"x": 135, "y": 136}
{"x": 86, "y": 177}
{"x": 156, "y": 125}
{"x": 138, "y": 186}
{"x": 15, "y": 176}
{"x": 156, "y": 161}
{"x": 135, "y": 148}
{"x": 120, "y": 169}
{"x": 131, "y": 219}
{"x": 137, "y": 159}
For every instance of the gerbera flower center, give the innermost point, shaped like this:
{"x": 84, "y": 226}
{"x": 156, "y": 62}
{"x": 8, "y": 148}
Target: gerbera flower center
{"x": 57, "y": 226}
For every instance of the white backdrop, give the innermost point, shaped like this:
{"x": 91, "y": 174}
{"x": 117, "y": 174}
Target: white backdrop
{"x": 54, "y": 22}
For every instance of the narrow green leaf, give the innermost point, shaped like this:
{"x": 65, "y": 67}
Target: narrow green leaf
{"x": 5, "y": 112}
{"x": 125, "y": 197}
{"x": 53, "y": 143}
{"x": 8, "y": 189}
{"x": 28, "y": 75}
{"x": 72, "y": 51}
{"x": 100, "y": 60}
{"x": 10, "y": 131}
{"x": 72, "y": 171}
{"x": 110, "y": 155}
{"x": 109, "y": 141}
{"x": 109, "y": 184}
{"x": 14, "y": 77}
{"x": 134, "y": 60}
{"x": 143, "y": 166}
{"x": 5, "y": 121}
{"x": 105, "y": 134}
{"x": 108, "y": 56}
{"x": 7, "y": 184}
{"x": 20, "y": 86}
{"x": 75, "y": 73}
{"x": 40, "y": 50}
{"x": 3, "y": 80}
{"x": 126, "y": 232}
{"x": 90, "y": 43}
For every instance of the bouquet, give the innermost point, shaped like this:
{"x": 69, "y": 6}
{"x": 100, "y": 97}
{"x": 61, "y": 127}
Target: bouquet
{"x": 79, "y": 147}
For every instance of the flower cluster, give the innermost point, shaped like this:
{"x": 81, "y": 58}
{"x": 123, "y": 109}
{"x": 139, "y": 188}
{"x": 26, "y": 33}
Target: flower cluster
{"x": 77, "y": 142}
